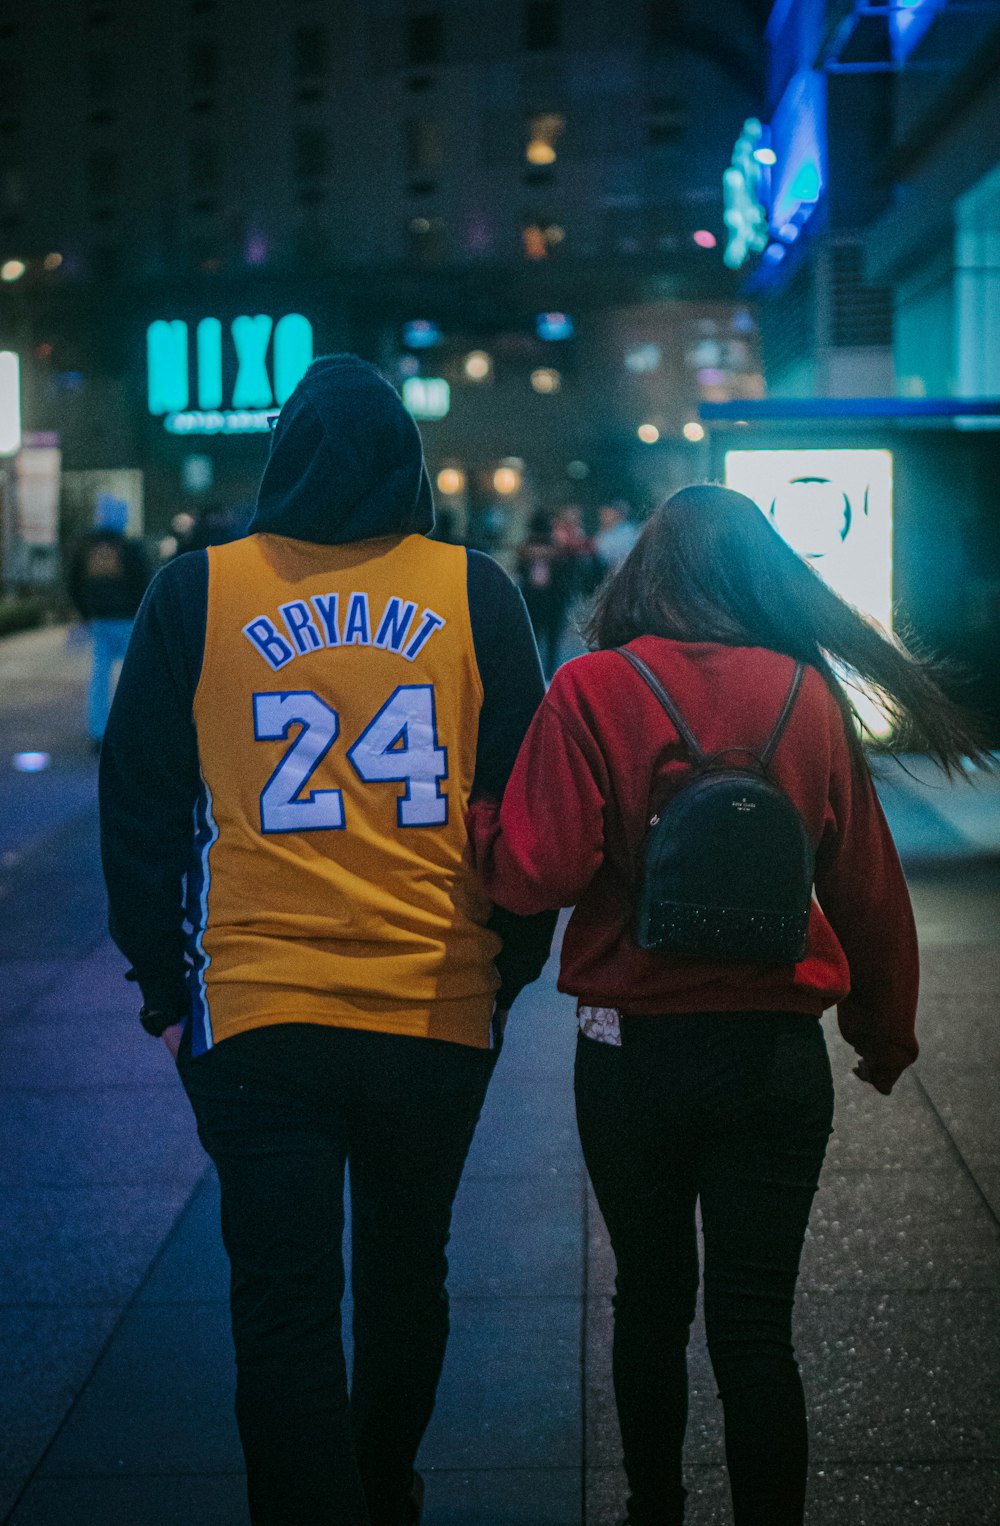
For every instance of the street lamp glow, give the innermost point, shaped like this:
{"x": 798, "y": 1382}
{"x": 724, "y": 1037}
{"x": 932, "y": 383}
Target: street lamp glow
{"x": 478, "y": 365}
{"x": 52, "y": 261}
{"x": 648, "y": 434}
{"x": 538, "y": 152}
{"x": 12, "y": 270}
{"x": 693, "y": 431}
{"x": 10, "y": 403}
{"x": 506, "y": 480}
{"x": 704, "y": 239}
{"x": 450, "y": 481}
{"x": 546, "y": 380}
{"x": 31, "y": 762}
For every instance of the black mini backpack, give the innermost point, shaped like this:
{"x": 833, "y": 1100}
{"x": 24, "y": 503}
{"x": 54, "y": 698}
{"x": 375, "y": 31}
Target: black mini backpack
{"x": 727, "y": 868}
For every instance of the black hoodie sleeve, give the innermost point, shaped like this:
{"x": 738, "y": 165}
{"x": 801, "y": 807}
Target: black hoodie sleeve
{"x": 150, "y": 780}
{"x": 513, "y": 688}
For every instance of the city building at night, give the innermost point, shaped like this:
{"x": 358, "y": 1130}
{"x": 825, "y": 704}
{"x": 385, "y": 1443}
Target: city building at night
{"x": 513, "y": 209}
{"x": 863, "y": 210}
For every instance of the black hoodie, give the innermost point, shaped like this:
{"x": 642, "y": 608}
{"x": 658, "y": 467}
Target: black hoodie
{"x": 346, "y": 460}
{"x": 346, "y": 465}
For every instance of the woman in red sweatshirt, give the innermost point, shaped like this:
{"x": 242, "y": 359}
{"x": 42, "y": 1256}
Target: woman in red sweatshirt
{"x": 710, "y": 1081}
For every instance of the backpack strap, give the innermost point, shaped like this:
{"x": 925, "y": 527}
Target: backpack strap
{"x": 681, "y": 725}
{"x": 684, "y": 731}
{"x": 786, "y": 711}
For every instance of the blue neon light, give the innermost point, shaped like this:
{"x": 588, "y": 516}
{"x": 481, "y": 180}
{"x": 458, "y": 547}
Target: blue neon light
{"x": 909, "y": 22}
{"x": 167, "y": 366}
{"x": 169, "y": 381}
{"x": 554, "y": 326}
{"x": 293, "y": 353}
{"x": 217, "y": 421}
{"x": 798, "y": 134}
{"x": 788, "y": 409}
{"x": 421, "y": 334}
{"x": 209, "y": 363}
{"x": 253, "y": 386}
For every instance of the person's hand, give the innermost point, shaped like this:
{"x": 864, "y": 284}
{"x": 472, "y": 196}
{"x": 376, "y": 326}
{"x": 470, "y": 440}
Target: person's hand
{"x": 864, "y": 1073}
{"x": 498, "y": 1026}
{"x": 172, "y": 1038}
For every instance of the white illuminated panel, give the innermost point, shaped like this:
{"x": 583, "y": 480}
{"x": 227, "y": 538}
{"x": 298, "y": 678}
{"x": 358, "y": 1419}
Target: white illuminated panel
{"x": 10, "y": 403}
{"x": 427, "y": 397}
{"x": 835, "y": 508}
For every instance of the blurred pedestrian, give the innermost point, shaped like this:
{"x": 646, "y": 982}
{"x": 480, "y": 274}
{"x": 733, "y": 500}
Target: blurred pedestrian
{"x": 616, "y": 536}
{"x": 215, "y": 524}
{"x": 701, "y": 1078}
{"x": 299, "y": 726}
{"x": 107, "y": 577}
{"x": 544, "y": 595}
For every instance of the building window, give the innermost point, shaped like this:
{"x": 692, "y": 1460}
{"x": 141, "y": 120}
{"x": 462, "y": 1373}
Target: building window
{"x": 105, "y": 262}
{"x": 541, "y": 237}
{"x": 11, "y": 94}
{"x": 203, "y": 68}
{"x": 424, "y": 151}
{"x": 664, "y": 20}
{"x": 312, "y": 153}
{"x": 102, "y": 181}
{"x": 624, "y": 229}
{"x": 203, "y": 173}
{"x": 311, "y": 51}
{"x": 428, "y": 240}
{"x": 425, "y": 40}
{"x": 312, "y": 244}
{"x": 102, "y": 77}
{"x": 543, "y": 132}
{"x": 11, "y": 190}
{"x": 542, "y": 25}
{"x": 666, "y": 122}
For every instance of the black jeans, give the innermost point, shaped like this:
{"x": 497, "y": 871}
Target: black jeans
{"x": 735, "y": 1110}
{"x": 281, "y": 1111}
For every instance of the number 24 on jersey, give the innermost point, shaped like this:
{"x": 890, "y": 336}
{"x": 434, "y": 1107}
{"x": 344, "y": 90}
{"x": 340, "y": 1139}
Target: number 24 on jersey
{"x": 399, "y": 745}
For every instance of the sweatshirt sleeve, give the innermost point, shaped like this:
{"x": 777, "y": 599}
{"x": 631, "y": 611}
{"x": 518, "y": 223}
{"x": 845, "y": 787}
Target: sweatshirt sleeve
{"x": 150, "y": 781}
{"x": 513, "y": 687}
{"x": 861, "y": 888}
{"x": 546, "y": 842}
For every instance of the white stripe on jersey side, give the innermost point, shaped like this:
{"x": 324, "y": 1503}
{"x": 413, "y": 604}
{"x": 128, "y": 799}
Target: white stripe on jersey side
{"x": 204, "y": 960}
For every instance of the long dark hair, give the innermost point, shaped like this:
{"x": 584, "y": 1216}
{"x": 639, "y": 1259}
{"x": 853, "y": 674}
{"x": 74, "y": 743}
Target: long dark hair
{"x": 709, "y": 567}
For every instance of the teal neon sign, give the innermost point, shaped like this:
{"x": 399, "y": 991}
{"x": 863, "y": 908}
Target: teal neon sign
{"x": 254, "y": 340}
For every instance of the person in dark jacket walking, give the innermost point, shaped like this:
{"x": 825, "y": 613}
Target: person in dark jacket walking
{"x": 326, "y": 696}
{"x": 699, "y": 1079}
{"x": 107, "y": 578}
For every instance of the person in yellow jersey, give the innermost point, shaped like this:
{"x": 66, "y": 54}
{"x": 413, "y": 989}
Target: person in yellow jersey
{"x": 302, "y": 720}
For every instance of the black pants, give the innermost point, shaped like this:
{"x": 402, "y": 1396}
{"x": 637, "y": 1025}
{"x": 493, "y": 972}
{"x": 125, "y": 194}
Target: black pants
{"x": 281, "y": 1111}
{"x": 734, "y": 1110}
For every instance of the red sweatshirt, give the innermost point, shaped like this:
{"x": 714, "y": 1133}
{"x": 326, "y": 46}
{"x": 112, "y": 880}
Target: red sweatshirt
{"x": 601, "y": 754}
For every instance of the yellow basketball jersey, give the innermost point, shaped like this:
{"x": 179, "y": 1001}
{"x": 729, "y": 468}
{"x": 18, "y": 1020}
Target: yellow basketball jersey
{"x": 337, "y": 717}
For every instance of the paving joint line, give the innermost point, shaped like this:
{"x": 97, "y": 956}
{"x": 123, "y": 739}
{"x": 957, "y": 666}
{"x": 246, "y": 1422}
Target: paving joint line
{"x": 956, "y": 1151}
{"x": 105, "y": 1347}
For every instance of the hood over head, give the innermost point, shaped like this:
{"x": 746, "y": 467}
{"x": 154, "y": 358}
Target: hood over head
{"x": 110, "y": 513}
{"x": 346, "y": 460}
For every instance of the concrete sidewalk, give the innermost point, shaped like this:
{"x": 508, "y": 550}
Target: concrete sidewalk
{"x": 116, "y": 1378}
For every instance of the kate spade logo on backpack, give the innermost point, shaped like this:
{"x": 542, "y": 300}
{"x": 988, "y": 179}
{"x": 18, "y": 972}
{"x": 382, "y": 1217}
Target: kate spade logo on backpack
{"x": 744, "y": 805}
